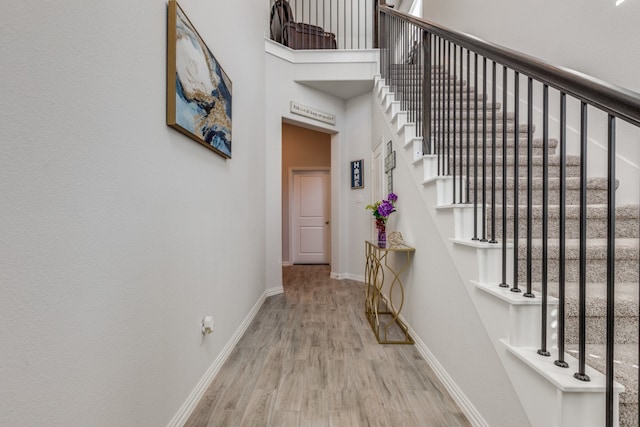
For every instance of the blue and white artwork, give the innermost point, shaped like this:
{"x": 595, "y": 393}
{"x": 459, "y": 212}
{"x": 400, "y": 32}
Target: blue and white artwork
{"x": 202, "y": 89}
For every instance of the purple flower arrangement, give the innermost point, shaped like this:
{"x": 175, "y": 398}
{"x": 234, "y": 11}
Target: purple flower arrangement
{"x": 382, "y": 209}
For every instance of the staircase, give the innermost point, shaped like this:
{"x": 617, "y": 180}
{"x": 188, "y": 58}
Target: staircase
{"x": 458, "y": 168}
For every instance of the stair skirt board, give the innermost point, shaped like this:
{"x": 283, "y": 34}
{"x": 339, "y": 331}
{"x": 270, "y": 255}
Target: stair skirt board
{"x": 569, "y": 393}
{"x": 467, "y": 407}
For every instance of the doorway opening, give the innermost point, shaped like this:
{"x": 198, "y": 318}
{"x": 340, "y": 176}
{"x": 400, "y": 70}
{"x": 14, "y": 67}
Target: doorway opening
{"x": 306, "y": 196}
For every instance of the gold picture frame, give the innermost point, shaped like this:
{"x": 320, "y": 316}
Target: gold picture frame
{"x": 198, "y": 89}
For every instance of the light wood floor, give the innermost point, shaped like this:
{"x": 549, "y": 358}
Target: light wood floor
{"x": 309, "y": 358}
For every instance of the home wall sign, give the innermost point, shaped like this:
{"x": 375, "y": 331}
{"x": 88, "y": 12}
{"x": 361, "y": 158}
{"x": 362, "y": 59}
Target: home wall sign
{"x": 357, "y": 174}
{"x": 312, "y": 113}
{"x": 198, "y": 89}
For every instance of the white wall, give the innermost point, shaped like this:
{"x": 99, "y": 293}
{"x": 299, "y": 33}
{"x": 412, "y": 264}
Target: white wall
{"x": 356, "y": 220}
{"x": 118, "y": 233}
{"x": 595, "y": 37}
{"x": 283, "y": 68}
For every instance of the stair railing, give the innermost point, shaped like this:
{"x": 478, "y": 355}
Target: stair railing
{"x": 430, "y": 69}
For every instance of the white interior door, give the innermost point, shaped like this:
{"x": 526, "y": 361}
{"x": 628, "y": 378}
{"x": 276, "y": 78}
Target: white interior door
{"x": 311, "y": 218}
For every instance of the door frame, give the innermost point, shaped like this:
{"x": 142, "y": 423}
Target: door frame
{"x": 292, "y": 172}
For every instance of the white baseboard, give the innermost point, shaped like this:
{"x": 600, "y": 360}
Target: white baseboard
{"x": 181, "y": 417}
{"x": 287, "y": 263}
{"x": 274, "y": 291}
{"x": 347, "y": 276}
{"x": 467, "y": 407}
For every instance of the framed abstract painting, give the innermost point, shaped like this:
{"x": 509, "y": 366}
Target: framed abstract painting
{"x": 198, "y": 89}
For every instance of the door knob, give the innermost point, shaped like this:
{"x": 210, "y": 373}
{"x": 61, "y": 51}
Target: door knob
{"x": 326, "y": 222}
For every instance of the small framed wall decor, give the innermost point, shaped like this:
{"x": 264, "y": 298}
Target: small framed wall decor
{"x": 198, "y": 89}
{"x": 357, "y": 174}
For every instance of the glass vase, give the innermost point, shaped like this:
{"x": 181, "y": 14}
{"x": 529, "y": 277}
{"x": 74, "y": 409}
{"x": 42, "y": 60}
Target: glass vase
{"x": 382, "y": 237}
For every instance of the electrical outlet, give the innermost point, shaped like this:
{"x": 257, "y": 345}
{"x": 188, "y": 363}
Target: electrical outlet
{"x": 207, "y": 325}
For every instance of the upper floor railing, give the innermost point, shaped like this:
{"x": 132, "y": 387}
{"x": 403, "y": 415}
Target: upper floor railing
{"x": 324, "y": 24}
{"x": 492, "y": 117}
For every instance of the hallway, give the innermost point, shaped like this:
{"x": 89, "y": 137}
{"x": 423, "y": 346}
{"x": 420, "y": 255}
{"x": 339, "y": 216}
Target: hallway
{"x": 309, "y": 358}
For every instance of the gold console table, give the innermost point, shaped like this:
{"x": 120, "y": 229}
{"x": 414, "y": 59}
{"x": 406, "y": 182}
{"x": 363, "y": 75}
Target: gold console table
{"x": 380, "y": 308}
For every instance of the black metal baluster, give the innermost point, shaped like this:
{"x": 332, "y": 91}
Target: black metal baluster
{"x": 418, "y": 70}
{"x": 484, "y": 150}
{"x": 529, "y": 292}
{"x": 436, "y": 102}
{"x": 366, "y": 15}
{"x": 419, "y": 66}
{"x": 427, "y": 95}
{"x": 545, "y": 211}
{"x": 352, "y": 25}
{"x": 448, "y": 159}
{"x": 402, "y": 65}
{"x": 358, "y": 32}
{"x": 406, "y": 72}
{"x": 413, "y": 82}
{"x": 355, "y": 23}
{"x": 611, "y": 267}
{"x": 438, "y": 99}
{"x": 391, "y": 48}
{"x": 505, "y": 87}
{"x": 582, "y": 294}
{"x": 562, "y": 243}
{"x": 344, "y": 23}
{"x": 493, "y": 154}
{"x": 442, "y": 109}
{"x": 389, "y": 23}
{"x": 384, "y": 22}
{"x": 379, "y": 41}
{"x": 475, "y": 150}
{"x": 460, "y": 103}
{"x": 331, "y": 22}
{"x": 455, "y": 99}
{"x": 438, "y": 86}
{"x": 394, "y": 57}
{"x": 338, "y": 38}
{"x": 468, "y": 129}
{"x": 516, "y": 178}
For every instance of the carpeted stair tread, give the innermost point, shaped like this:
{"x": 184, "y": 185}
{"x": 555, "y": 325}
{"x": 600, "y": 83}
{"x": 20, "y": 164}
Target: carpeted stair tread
{"x": 522, "y": 139}
{"x": 626, "y": 265}
{"x": 436, "y": 118}
{"x": 523, "y": 161}
{"x": 625, "y": 248}
{"x": 627, "y": 297}
{"x": 499, "y": 126}
{"x": 464, "y": 104}
{"x": 594, "y": 211}
{"x": 627, "y": 217}
{"x": 572, "y": 183}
